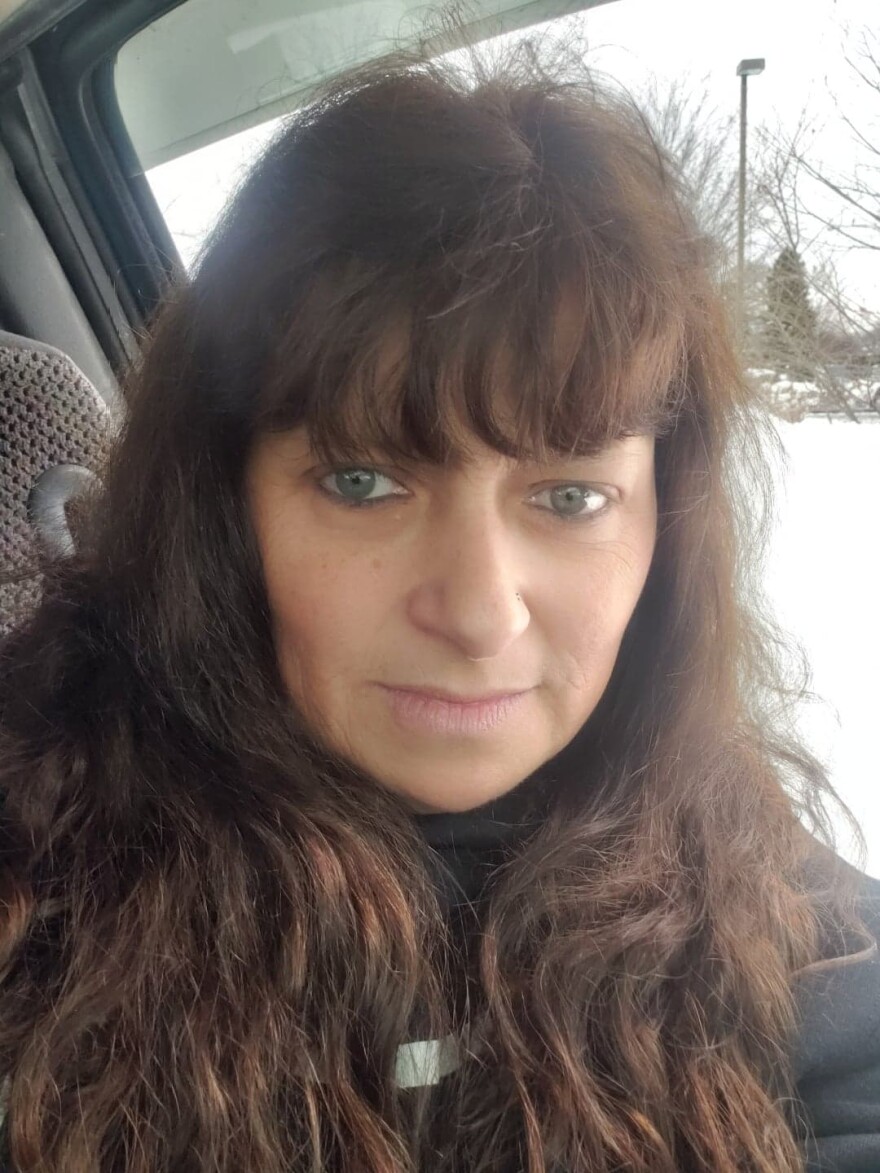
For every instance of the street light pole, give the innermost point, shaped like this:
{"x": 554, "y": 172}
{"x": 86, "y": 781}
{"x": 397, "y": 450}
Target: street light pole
{"x": 746, "y": 69}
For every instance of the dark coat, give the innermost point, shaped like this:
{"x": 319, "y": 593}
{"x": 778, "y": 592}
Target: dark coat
{"x": 837, "y": 1056}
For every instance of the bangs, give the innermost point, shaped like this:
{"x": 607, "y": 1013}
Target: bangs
{"x": 524, "y": 280}
{"x": 535, "y": 374}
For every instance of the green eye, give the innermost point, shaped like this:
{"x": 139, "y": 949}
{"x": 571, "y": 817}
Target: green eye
{"x": 352, "y": 486}
{"x": 360, "y": 482}
{"x": 572, "y": 499}
{"x": 575, "y": 502}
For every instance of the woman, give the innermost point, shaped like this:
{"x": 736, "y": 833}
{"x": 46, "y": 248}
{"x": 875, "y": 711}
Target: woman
{"x": 449, "y": 407}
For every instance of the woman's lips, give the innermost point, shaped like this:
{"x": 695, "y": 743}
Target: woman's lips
{"x": 432, "y": 713}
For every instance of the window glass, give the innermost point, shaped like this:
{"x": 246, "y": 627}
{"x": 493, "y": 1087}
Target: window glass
{"x": 807, "y": 293}
{"x": 210, "y": 68}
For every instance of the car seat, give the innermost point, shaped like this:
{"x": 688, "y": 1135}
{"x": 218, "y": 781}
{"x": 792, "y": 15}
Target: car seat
{"x": 55, "y": 433}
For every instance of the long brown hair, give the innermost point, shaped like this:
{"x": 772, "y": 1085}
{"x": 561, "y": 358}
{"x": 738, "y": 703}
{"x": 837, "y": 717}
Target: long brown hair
{"x": 216, "y": 933}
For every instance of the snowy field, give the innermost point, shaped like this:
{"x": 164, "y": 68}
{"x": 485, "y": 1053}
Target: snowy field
{"x": 823, "y": 578}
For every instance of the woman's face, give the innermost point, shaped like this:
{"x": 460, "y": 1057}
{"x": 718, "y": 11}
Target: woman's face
{"x": 488, "y": 577}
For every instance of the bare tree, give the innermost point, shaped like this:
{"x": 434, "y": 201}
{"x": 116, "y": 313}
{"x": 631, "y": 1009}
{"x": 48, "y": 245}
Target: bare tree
{"x": 782, "y": 214}
{"x": 857, "y": 194}
{"x": 821, "y": 211}
{"x": 787, "y": 218}
{"x": 701, "y": 140}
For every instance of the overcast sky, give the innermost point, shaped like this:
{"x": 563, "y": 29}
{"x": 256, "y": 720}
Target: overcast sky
{"x": 800, "y": 42}
{"x": 805, "y": 45}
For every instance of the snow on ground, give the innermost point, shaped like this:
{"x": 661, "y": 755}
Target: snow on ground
{"x": 823, "y": 578}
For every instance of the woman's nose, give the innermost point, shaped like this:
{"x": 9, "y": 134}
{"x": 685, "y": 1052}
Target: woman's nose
{"x": 471, "y": 592}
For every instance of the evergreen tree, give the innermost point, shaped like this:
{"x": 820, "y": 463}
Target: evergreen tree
{"x": 790, "y": 332}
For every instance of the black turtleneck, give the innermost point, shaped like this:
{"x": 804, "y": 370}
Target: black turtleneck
{"x": 471, "y": 843}
{"x": 468, "y": 846}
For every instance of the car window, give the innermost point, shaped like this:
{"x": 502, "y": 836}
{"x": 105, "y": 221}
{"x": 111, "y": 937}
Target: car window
{"x": 797, "y": 255}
